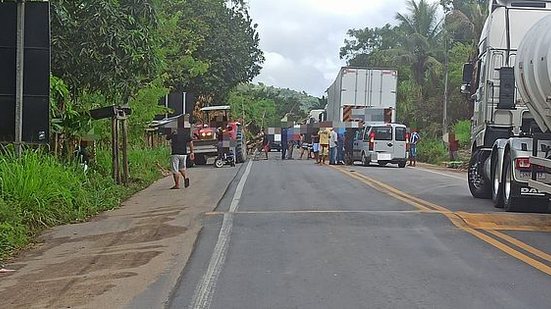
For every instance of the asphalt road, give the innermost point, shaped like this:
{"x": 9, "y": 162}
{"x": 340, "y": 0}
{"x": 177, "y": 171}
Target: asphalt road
{"x": 290, "y": 234}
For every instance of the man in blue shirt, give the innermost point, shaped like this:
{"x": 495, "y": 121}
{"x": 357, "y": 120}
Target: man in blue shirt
{"x": 413, "y": 139}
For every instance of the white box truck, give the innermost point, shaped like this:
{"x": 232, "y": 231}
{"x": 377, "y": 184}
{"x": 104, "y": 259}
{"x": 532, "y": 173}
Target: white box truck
{"x": 363, "y": 94}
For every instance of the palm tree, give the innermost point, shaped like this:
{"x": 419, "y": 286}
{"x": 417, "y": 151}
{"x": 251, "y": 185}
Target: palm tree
{"x": 465, "y": 20}
{"x": 421, "y": 31}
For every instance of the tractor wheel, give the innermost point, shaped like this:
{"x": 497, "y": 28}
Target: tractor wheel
{"x": 241, "y": 146}
{"x": 200, "y": 159}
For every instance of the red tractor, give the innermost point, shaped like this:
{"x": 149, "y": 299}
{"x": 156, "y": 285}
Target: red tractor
{"x": 207, "y": 139}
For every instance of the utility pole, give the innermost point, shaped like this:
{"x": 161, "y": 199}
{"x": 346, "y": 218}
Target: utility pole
{"x": 446, "y": 97}
{"x": 20, "y": 54}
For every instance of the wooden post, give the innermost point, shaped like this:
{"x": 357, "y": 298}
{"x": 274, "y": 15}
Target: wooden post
{"x": 125, "y": 168}
{"x": 20, "y": 55}
{"x": 115, "y": 148}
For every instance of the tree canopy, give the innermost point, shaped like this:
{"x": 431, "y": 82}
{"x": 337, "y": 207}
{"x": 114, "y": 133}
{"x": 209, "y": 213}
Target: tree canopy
{"x": 133, "y": 52}
{"x": 418, "y": 44}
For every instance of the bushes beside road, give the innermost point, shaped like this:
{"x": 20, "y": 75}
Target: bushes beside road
{"x": 38, "y": 191}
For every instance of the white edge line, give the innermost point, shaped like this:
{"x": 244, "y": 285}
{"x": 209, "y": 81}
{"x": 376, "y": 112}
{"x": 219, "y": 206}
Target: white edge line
{"x": 439, "y": 173}
{"x": 202, "y": 298}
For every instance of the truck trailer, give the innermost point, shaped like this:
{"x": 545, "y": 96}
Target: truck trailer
{"x": 510, "y": 85}
{"x": 362, "y": 94}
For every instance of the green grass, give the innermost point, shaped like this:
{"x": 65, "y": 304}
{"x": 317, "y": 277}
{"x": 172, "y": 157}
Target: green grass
{"x": 431, "y": 150}
{"x": 463, "y": 132}
{"x": 38, "y": 191}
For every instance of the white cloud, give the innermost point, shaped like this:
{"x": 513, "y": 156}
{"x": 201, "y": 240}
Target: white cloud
{"x": 301, "y": 39}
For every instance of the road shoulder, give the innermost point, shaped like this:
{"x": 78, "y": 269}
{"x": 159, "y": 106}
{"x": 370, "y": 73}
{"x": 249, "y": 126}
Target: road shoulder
{"x": 119, "y": 255}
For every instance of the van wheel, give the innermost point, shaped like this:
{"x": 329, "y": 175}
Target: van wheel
{"x": 402, "y": 164}
{"x": 479, "y": 185}
{"x": 365, "y": 162}
{"x": 497, "y": 187}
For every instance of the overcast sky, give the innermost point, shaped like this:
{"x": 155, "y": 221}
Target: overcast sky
{"x": 301, "y": 39}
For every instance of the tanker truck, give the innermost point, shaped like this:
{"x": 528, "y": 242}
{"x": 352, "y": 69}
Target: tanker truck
{"x": 510, "y": 86}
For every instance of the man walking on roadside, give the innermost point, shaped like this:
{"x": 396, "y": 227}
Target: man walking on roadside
{"x": 179, "y": 142}
{"x": 414, "y": 138}
{"x": 333, "y": 143}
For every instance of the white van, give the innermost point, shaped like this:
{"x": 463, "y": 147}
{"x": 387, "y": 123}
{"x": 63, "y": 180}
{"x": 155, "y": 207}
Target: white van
{"x": 382, "y": 144}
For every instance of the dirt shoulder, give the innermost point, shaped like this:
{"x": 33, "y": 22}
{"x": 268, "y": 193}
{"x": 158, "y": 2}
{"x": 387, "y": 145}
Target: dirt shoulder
{"x": 119, "y": 255}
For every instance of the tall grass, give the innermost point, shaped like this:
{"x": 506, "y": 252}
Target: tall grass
{"x": 463, "y": 132}
{"x": 431, "y": 150}
{"x": 38, "y": 191}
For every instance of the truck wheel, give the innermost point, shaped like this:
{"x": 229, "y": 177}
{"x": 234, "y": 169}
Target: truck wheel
{"x": 479, "y": 185}
{"x": 497, "y": 187}
{"x": 510, "y": 203}
{"x": 402, "y": 164}
{"x": 200, "y": 159}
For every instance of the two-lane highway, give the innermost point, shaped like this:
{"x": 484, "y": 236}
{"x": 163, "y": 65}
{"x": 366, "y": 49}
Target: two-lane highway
{"x": 291, "y": 234}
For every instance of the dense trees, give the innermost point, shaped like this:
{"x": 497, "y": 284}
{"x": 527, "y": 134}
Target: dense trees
{"x": 133, "y": 51}
{"x": 418, "y": 44}
{"x": 264, "y": 106}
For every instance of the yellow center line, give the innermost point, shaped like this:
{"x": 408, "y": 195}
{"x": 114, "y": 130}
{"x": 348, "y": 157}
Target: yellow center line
{"x": 317, "y": 211}
{"x": 521, "y": 245}
{"x": 456, "y": 219}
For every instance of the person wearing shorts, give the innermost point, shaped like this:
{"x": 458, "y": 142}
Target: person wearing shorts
{"x": 316, "y": 146}
{"x": 305, "y": 147}
{"x": 324, "y": 145}
{"x": 179, "y": 142}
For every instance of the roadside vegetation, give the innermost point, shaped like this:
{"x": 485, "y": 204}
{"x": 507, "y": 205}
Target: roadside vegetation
{"x": 119, "y": 52}
{"x": 38, "y": 191}
{"x": 421, "y": 44}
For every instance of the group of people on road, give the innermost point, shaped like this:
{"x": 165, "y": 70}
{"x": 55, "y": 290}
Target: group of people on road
{"x": 322, "y": 145}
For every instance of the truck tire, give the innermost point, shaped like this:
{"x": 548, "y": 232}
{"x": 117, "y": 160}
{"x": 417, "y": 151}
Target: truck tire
{"x": 402, "y": 164}
{"x": 200, "y": 159}
{"x": 240, "y": 148}
{"x": 510, "y": 203}
{"x": 497, "y": 186}
{"x": 479, "y": 185}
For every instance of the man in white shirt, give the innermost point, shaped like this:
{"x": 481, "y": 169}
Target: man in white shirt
{"x": 333, "y": 143}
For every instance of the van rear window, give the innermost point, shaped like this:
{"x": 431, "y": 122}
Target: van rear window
{"x": 400, "y": 134}
{"x": 383, "y": 133}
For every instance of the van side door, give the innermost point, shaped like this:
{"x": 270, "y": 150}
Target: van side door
{"x": 400, "y": 142}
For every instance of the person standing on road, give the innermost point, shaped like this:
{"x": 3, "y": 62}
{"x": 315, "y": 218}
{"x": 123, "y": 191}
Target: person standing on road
{"x": 324, "y": 145}
{"x": 316, "y": 145}
{"x": 284, "y": 144}
{"x": 340, "y": 149}
{"x": 333, "y": 143}
{"x": 179, "y": 143}
{"x": 304, "y": 147}
{"x": 414, "y": 138}
{"x": 265, "y": 144}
